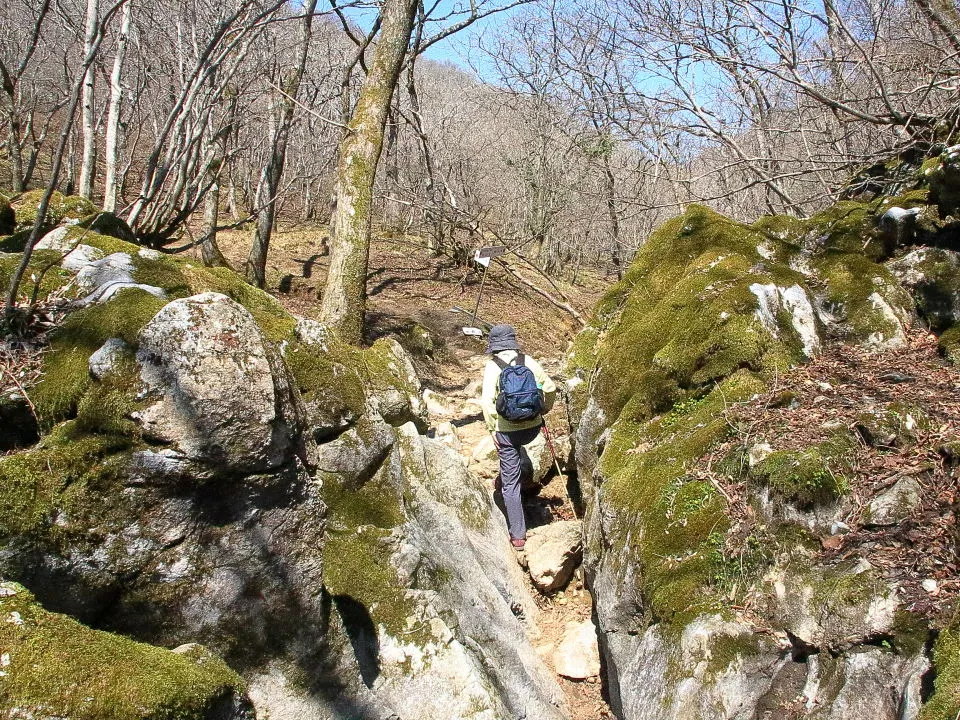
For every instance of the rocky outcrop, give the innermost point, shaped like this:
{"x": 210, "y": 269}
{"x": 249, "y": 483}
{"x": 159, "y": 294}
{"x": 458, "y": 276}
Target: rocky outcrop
{"x": 220, "y": 472}
{"x": 708, "y": 314}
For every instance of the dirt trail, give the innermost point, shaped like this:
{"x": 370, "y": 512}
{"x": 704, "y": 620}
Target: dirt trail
{"x": 456, "y": 419}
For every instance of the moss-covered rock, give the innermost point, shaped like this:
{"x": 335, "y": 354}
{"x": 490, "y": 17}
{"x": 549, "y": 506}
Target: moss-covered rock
{"x": 807, "y": 477}
{"x": 933, "y": 277}
{"x": 944, "y": 177}
{"x": 106, "y": 223}
{"x": 61, "y": 207}
{"x": 944, "y": 704}
{"x": 684, "y": 315}
{"x": 54, "y": 667}
{"x": 949, "y": 344}
{"x": 66, "y": 372}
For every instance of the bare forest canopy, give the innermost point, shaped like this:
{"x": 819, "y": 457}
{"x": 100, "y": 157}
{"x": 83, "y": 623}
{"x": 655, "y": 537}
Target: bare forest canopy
{"x": 588, "y": 124}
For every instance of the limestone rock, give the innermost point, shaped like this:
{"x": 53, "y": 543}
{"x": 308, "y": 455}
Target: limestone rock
{"x": 104, "y": 360}
{"x": 578, "y": 656}
{"x": 553, "y": 552}
{"x": 794, "y": 301}
{"x": 56, "y": 239}
{"x": 894, "y": 504}
{"x": 104, "y": 278}
{"x": 447, "y": 434}
{"x": 399, "y": 401}
{"x": 833, "y": 608}
{"x": 931, "y": 275}
{"x": 217, "y": 397}
{"x": 439, "y": 405}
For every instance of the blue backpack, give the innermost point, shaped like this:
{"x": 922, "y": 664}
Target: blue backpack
{"x": 518, "y": 396}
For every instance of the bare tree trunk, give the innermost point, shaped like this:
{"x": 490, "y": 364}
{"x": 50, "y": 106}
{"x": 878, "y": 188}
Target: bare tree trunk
{"x": 88, "y": 122}
{"x": 113, "y": 114}
{"x": 209, "y": 250}
{"x": 273, "y": 171}
{"x": 17, "y": 183}
{"x": 610, "y": 189}
{"x": 345, "y": 294}
{"x": 10, "y": 307}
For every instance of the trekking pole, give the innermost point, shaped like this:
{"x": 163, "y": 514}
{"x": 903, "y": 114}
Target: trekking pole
{"x": 556, "y": 464}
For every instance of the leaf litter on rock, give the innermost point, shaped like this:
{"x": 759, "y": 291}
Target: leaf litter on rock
{"x": 828, "y": 394}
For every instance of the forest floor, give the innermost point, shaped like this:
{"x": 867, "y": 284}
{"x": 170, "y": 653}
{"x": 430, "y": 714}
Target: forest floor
{"x": 408, "y": 288}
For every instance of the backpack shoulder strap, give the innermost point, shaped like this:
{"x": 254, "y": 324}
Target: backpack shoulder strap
{"x": 518, "y": 360}
{"x": 500, "y": 363}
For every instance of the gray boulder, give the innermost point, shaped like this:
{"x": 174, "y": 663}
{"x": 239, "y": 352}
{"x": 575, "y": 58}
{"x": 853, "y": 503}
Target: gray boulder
{"x": 578, "y": 656}
{"x": 102, "y": 279}
{"x": 215, "y": 396}
{"x": 553, "y": 552}
{"x": 932, "y": 275}
{"x": 895, "y": 504}
{"x": 104, "y": 360}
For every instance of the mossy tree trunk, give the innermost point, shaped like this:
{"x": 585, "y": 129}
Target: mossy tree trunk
{"x": 345, "y": 294}
{"x": 272, "y": 172}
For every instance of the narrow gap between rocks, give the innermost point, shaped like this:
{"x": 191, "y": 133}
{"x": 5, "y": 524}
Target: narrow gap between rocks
{"x": 567, "y": 636}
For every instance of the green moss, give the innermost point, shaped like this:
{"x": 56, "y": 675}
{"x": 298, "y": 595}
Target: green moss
{"x": 15, "y": 243}
{"x": 106, "y": 407}
{"x": 33, "y": 480}
{"x": 105, "y": 243}
{"x": 780, "y": 227}
{"x": 43, "y": 276}
{"x": 59, "y": 668}
{"x": 727, "y": 649}
{"x": 852, "y": 280}
{"x": 847, "y": 227}
{"x": 807, "y": 477}
{"x": 382, "y": 368}
{"x": 61, "y": 207}
{"x": 937, "y": 293}
{"x": 327, "y": 377}
{"x": 676, "y": 518}
{"x": 949, "y": 344}
{"x": 66, "y": 375}
{"x": 683, "y": 316}
{"x": 945, "y": 702}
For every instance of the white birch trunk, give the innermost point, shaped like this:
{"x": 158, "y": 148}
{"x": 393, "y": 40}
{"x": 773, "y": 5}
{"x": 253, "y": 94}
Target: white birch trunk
{"x": 113, "y": 114}
{"x": 88, "y": 121}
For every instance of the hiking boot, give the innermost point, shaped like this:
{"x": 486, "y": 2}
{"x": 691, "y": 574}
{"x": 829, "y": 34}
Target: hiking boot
{"x": 518, "y": 543}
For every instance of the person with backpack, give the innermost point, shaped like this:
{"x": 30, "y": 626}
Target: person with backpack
{"x": 516, "y": 393}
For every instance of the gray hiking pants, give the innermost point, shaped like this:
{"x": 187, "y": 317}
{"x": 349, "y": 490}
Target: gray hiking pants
{"x": 510, "y": 451}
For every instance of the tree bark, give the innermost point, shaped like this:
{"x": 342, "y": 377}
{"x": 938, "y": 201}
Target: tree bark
{"x": 209, "y": 250}
{"x": 113, "y": 114}
{"x": 88, "y": 121}
{"x": 345, "y": 294}
{"x": 269, "y": 186}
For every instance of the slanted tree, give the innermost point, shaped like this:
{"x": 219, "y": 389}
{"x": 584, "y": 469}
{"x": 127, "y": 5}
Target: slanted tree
{"x": 344, "y": 298}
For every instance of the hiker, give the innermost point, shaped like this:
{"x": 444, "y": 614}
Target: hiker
{"x": 516, "y": 393}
